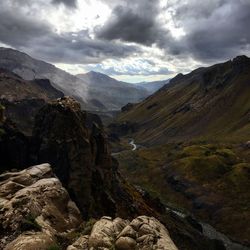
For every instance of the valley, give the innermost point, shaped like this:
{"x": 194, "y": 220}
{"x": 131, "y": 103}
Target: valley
{"x": 194, "y": 145}
{"x": 124, "y": 125}
{"x": 181, "y": 155}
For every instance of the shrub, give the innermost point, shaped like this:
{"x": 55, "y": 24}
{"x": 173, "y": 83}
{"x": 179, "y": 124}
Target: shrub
{"x": 54, "y": 247}
{"x": 30, "y": 223}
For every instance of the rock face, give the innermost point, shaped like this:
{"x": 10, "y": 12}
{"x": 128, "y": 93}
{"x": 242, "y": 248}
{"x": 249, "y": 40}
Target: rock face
{"x": 141, "y": 233}
{"x": 22, "y": 99}
{"x": 15, "y": 88}
{"x": 14, "y": 147}
{"x": 34, "y": 207}
{"x": 79, "y": 154}
{"x": 75, "y": 145}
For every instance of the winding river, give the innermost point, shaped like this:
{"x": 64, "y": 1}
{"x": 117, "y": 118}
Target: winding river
{"x": 132, "y": 143}
{"x": 207, "y": 229}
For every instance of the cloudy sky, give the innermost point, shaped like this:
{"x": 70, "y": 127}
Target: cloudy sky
{"x": 132, "y": 40}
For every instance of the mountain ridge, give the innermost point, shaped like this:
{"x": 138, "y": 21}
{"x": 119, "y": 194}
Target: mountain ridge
{"x": 208, "y": 102}
{"x": 92, "y": 95}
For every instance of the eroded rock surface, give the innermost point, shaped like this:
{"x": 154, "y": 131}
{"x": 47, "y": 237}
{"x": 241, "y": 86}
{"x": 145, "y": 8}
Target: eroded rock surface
{"x": 33, "y": 208}
{"x": 141, "y": 233}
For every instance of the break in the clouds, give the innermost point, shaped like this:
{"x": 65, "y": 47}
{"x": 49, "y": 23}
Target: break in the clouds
{"x": 127, "y": 37}
{"x": 139, "y": 67}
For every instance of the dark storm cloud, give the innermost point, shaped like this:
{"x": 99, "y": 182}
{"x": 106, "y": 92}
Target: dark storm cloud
{"x": 224, "y": 34}
{"x": 133, "y": 21}
{"x": 215, "y": 30}
{"x": 40, "y": 40}
{"x": 66, "y": 48}
{"x": 68, "y": 3}
{"x": 18, "y": 30}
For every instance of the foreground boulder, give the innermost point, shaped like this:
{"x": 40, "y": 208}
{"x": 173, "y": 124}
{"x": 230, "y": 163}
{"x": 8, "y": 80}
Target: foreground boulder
{"x": 34, "y": 207}
{"x": 74, "y": 143}
{"x": 141, "y": 233}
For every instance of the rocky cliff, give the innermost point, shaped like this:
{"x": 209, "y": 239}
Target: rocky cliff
{"x": 22, "y": 99}
{"x": 36, "y": 211}
{"x": 74, "y": 143}
{"x": 34, "y": 207}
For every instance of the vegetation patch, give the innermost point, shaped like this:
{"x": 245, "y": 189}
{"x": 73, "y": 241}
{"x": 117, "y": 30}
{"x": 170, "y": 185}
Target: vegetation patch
{"x": 30, "y": 223}
{"x": 54, "y": 247}
{"x": 216, "y": 173}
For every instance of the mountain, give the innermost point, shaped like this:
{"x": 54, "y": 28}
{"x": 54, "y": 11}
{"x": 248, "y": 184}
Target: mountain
{"x": 95, "y": 91}
{"x": 209, "y": 102}
{"x": 192, "y": 145}
{"x": 79, "y": 179}
{"x": 29, "y": 68}
{"x": 152, "y": 87}
{"x": 35, "y": 219}
{"x": 22, "y": 99}
{"x": 113, "y": 93}
{"x": 14, "y": 88}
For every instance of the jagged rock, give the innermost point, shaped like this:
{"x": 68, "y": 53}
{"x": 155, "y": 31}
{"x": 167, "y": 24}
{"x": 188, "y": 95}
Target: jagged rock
{"x": 75, "y": 144}
{"x": 14, "y": 147}
{"x": 31, "y": 241}
{"x": 127, "y": 107}
{"x": 79, "y": 155}
{"x": 33, "y": 201}
{"x": 142, "y": 233}
{"x": 80, "y": 244}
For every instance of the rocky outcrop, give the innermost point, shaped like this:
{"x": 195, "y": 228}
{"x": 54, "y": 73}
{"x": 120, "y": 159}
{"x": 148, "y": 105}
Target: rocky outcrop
{"x": 127, "y": 107}
{"x": 34, "y": 207}
{"x": 79, "y": 154}
{"x": 14, "y": 147}
{"x": 141, "y": 233}
{"x": 23, "y": 113}
{"x": 75, "y": 145}
{"x": 35, "y": 210}
{"x": 22, "y": 99}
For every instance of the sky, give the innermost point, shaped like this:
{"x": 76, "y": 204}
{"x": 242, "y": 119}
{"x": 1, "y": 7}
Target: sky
{"x": 130, "y": 40}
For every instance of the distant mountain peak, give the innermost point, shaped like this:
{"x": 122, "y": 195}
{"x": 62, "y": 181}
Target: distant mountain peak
{"x": 241, "y": 58}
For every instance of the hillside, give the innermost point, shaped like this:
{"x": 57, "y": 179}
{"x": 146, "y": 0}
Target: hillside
{"x": 211, "y": 102}
{"x": 14, "y": 88}
{"x": 56, "y": 203}
{"x": 114, "y": 94}
{"x": 95, "y": 91}
{"x": 22, "y": 99}
{"x": 193, "y": 147}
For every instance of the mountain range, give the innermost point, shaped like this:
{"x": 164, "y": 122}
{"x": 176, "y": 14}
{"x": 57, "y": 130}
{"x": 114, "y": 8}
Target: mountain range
{"x": 180, "y": 155}
{"x": 209, "y": 102}
{"x": 95, "y": 91}
{"x": 192, "y": 142}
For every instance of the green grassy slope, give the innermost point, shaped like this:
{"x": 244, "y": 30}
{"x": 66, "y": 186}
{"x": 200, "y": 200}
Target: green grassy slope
{"x": 209, "y": 103}
{"x": 209, "y": 180}
{"x": 197, "y": 132}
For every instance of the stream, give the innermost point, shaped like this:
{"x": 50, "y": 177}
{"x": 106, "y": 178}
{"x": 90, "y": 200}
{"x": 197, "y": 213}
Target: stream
{"x": 207, "y": 230}
{"x": 132, "y": 143}
{"x": 211, "y": 233}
